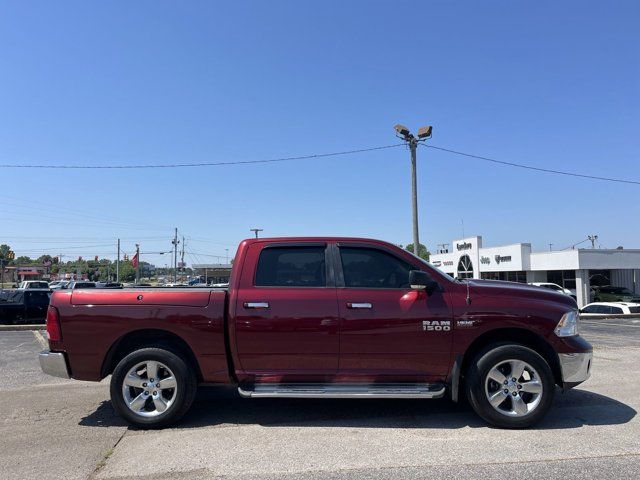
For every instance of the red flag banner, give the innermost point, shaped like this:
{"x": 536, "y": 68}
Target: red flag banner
{"x": 134, "y": 261}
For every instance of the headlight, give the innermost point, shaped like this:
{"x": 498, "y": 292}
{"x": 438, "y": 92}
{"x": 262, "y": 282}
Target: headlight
{"x": 568, "y": 324}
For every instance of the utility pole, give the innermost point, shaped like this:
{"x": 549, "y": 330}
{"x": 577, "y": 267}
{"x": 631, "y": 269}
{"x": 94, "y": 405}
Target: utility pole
{"x": 550, "y": 245}
{"x": 256, "y": 230}
{"x": 593, "y": 239}
{"x": 412, "y": 142}
{"x": 137, "y": 263}
{"x": 182, "y": 260}
{"x": 118, "y": 263}
{"x": 175, "y": 256}
{"x": 226, "y": 256}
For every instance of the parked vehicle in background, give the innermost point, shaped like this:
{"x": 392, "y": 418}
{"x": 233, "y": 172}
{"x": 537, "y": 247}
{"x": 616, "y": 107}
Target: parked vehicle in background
{"x": 608, "y": 293}
{"x": 58, "y": 284}
{"x": 79, "y": 284}
{"x": 610, "y": 308}
{"x": 555, "y": 287}
{"x": 323, "y": 317}
{"x": 33, "y": 284}
{"x": 220, "y": 285}
{"x": 25, "y": 306}
{"x": 108, "y": 285}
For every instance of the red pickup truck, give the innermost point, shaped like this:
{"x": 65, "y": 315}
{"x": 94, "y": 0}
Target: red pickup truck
{"x": 323, "y": 317}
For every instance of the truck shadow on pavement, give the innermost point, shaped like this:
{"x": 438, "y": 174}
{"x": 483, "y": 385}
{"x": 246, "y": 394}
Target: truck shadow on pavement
{"x": 218, "y": 406}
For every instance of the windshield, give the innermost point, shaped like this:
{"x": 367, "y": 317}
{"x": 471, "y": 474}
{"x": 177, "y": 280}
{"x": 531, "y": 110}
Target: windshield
{"x": 16, "y": 297}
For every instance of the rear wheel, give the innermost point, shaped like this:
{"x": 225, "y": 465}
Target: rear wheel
{"x": 510, "y": 386}
{"x": 152, "y": 387}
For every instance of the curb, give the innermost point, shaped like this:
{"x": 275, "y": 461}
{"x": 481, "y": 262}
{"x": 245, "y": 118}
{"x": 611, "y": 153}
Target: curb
{"x": 17, "y": 328}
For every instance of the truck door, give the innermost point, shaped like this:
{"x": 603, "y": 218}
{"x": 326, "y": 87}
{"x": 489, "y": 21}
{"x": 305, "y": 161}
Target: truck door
{"x": 389, "y": 331}
{"x": 286, "y": 312}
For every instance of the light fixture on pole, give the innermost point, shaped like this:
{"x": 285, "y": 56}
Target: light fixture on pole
{"x": 256, "y": 230}
{"x": 412, "y": 141}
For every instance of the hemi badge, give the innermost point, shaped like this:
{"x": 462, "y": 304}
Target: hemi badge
{"x": 465, "y": 323}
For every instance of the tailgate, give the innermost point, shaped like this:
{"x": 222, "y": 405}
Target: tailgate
{"x": 176, "y": 297}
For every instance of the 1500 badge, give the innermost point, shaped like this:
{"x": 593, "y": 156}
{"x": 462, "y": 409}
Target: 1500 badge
{"x": 436, "y": 325}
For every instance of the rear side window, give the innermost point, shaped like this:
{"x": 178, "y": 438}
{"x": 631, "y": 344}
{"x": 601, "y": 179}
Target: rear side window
{"x": 291, "y": 267}
{"x": 372, "y": 268}
{"x": 615, "y": 310}
{"x": 41, "y": 298}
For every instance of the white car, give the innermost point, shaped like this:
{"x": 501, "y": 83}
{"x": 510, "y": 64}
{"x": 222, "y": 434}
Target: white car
{"x": 30, "y": 284}
{"x": 610, "y": 308}
{"x": 58, "y": 284}
{"x": 555, "y": 287}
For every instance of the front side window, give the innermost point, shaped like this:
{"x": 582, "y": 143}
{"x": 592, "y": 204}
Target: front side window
{"x": 291, "y": 267}
{"x": 590, "y": 309}
{"x": 372, "y": 268}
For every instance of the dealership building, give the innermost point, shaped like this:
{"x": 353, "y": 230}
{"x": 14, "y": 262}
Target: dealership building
{"x": 575, "y": 269}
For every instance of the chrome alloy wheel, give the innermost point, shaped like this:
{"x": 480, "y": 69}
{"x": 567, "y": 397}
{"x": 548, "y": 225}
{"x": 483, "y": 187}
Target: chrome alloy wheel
{"x": 149, "y": 389}
{"x": 513, "y": 388}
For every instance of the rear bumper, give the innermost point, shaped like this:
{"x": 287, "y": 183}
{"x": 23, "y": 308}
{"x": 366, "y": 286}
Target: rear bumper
{"x": 54, "y": 364}
{"x": 576, "y": 368}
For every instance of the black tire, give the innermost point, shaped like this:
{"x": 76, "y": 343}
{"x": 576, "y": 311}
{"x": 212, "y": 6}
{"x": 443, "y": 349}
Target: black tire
{"x": 186, "y": 386}
{"x": 476, "y": 381}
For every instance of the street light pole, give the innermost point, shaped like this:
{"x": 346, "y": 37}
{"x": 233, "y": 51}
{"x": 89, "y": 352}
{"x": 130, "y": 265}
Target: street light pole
{"x": 256, "y": 230}
{"x": 413, "y": 146}
{"x": 412, "y": 142}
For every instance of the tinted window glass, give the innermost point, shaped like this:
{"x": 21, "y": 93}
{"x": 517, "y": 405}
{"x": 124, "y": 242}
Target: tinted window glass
{"x": 38, "y": 298}
{"x": 590, "y": 309}
{"x": 602, "y": 309}
{"x": 371, "y": 268}
{"x": 291, "y": 267}
{"x": 634, "y": 309}
{"x": 615, "y": 310}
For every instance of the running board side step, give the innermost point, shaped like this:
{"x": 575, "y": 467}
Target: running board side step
{"x": 343, "y": 390}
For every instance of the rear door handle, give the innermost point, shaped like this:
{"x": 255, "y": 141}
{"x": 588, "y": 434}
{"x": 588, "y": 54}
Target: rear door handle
{"x": 256, "y": 304}
{"x": 359, "y": 305}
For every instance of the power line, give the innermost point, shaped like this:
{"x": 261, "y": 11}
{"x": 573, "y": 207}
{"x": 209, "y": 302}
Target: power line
{"x": 205, "y": 164}
{"x": 529, "y": 167}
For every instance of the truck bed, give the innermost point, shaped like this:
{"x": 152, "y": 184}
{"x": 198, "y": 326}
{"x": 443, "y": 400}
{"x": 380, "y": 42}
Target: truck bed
{"x": 94, "y": 321}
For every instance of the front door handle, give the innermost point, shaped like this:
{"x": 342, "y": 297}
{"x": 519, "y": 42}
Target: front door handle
{"x": 359, "y": 305}
{"x": 256, "y": 304}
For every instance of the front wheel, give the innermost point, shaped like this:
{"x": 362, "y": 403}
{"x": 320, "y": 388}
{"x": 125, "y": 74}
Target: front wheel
{"x": 152, "y": 387}
{"x": 510, "y": 386}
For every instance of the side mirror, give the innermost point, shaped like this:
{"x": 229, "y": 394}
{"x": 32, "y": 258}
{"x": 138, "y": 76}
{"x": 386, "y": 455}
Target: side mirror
{"x": 420, "y": 280}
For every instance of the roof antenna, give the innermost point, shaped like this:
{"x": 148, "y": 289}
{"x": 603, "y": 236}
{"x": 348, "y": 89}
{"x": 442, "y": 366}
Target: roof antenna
{"x": 466, "y": 279}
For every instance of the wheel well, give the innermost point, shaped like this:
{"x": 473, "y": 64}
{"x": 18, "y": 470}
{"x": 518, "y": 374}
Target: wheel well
{"x": 519, "y": 336}
{"x": 148, "y": 338}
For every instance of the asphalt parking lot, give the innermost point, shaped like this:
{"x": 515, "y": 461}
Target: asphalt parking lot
{"x": 54, "y": 428}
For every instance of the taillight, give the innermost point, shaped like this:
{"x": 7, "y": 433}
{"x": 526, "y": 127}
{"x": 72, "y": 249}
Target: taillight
{"x": 54, "y": 332}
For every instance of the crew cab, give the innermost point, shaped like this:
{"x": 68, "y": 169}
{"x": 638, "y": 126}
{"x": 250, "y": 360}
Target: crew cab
{"x": 24, "y": 306}
{"x": 323, "y": 317}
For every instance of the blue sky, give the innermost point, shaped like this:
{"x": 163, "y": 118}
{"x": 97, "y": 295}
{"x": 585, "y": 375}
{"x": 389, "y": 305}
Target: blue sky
{"x": 550, "y": 84}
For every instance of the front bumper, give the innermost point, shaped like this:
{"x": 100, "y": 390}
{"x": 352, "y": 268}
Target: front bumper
{"x": 576, "y": 368}
{"x": 54, "y": 363}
